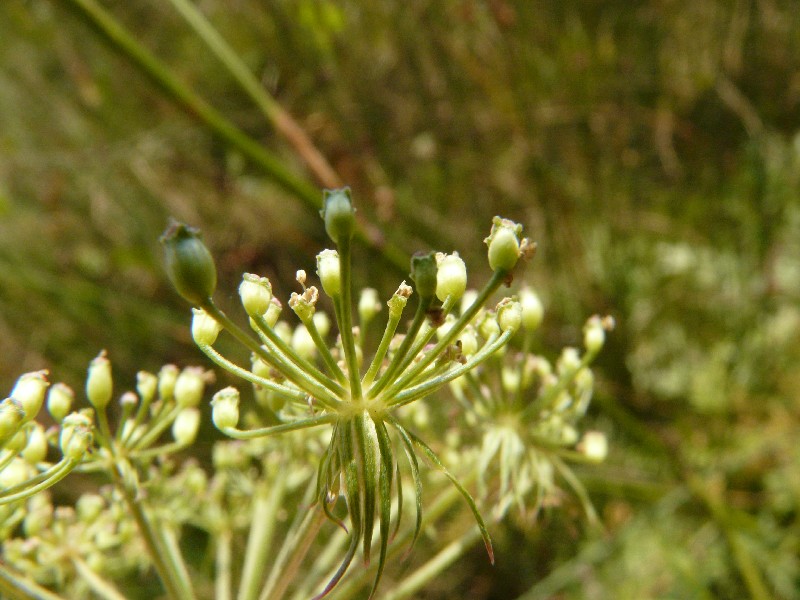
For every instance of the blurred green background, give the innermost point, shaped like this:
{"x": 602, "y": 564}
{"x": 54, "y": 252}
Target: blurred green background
{"x": 651, "y": 148}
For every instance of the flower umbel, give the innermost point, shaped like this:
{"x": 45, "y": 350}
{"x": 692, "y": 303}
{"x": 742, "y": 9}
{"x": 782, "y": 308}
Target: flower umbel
{"x": 356, "y": 392}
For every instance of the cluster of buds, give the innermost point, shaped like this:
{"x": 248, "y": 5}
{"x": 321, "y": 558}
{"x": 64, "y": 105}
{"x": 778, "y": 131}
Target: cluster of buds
{"x": 304, "y": 380}
{"x": 529, "y": 411}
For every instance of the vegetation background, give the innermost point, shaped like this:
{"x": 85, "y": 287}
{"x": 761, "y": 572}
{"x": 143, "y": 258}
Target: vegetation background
{"x": 652, "y": 149}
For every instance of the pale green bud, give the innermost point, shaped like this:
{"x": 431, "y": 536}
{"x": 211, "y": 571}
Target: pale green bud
{"x": 88, "y": 507}
{"x": 304, "y": 305}
{"x": 368, "y": 305}
{"x": 488, "y": 326}
{"x": 328, "y": 270}
{"x": 509, "y": 314}
{"x": 323, "y": 323}
{"x": 532, "y": 309}
{"x": 339, "y": 214}
{"x": 303, "y": 343}
{"x": 59, "y": 401}
{"x": 504, "y": 244}
{"x": 273, "y": 312}
{"x": 510, "y": 379}
{"x": 185, "y": 426}
{"x": 256, "y": 293}
{"x": 423, "y": 273}
{"x": 469, "y": 342}
{"x": 205, "y": 328}
{"x": 15, "y": 473}
{"x": 146, "y": 385}
{"x": 451, "y": 276}
{"x": 189, "y": 263}
{"x": 76, "y": 435}
{"x": 225, "y": 408}
{"x": 568, "y": 361}
{"x": 189, "y": 387}
{"x": 35, "y": 450}
{"x": 99, "y": 384}
{"x": 167, "y": 377}
{"x": 468, "y": 299}
{"x": 11, "y": 417}
{"x": 29, "y": 391}
{"x": 594, "y": 336}
{"x": 284, "y": 331}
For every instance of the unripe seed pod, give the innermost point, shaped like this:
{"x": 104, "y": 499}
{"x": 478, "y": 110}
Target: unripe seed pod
{"x": 328, "y": 269}
{"x": 185, "y": 426}
{"x": 189, "y": 263}
{"x": 504, "y": 244}
{"x": 205, "y": 328}
{"x": 225, "y": 408}
{"x": 339, "y": 214}
{"x": 255, "y": 293}
{"x": 29, "y": 392}
{"x": 99, "y": 384}
{"x": 532, "y": 309}
{"x": 59, "y": 401}
{"x": 423, "y": 273}
{"x": 167, "y": 377}
{"x": 189, "y": 387}
{"x": 451, "y": 277}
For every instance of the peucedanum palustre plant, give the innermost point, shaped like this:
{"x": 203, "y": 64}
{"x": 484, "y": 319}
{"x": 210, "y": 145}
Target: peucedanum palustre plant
{"x": 357, "y": 398}
{"x": 345, "y": 414}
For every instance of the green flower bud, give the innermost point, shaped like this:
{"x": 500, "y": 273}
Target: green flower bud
{"x": 304, "y": 305}
{"x": 451, "y": 277}
{"x": 594, "y": 446}
{"x": 399, "y": 300}
{"x": 15, "y": 473}
{"x": 59, "y": 401}
{"x": 76, "y": 435}
{"x": 146, "y": 385}
{"x": 594, "y": 333}
{"x": 29, "y": 392}
{"x": 568, "y": 362}
{"x": 532, "y": 309}
{"x": 99, "y": 385}
{"x": 303, "y": 343}
{"x": 339, "y": 214}
{"x": 189, "y": 263}
{"x": 185, "y": 426}
{"x": 256, "y": 293}
{"x": 11, "y": 416}
{"x": 504, "y": 244}
{"x": 509, "y": 314}
{"x": 368, "y": 305}
{"x": 225, "y": 408}
{"x": 205, "y": 328}
{"x": 167, "y": 377}
{"x": 424, "y": 273}
{"x": 323, "y": 323}
{"x": 88, "y": 507}
{"x": 329, "y": 272}
{"x": 189, "y": 387}
{"x": 35, "y": 450}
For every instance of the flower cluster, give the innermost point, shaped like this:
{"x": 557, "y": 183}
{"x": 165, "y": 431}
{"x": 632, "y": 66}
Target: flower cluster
{"x": 304, "y": 380}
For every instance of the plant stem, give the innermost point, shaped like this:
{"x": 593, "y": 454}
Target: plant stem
{"x": 260, "y": 539}
{"x": 100, "y": 586}
{"x": 345, "y": 314}
{"x": 223, "y": 580}
{"x": 16, "y": 586}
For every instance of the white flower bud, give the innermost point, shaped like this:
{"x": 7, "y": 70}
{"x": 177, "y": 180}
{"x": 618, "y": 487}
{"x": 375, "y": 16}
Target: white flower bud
{"x": 256, "y": 293}
{"x": 568, "y": 361}
{"x": 323, "y": 323}
{"x": 185, "y": 426}
{"x": 225, "y": 408}
{"x": 99, "y": 384}
{"x": 451, "y": 276}
{"x": 35, "y": 450}
{"x": 509, "y": 314}
{"x": 167, "y": 377}
{"x": 594, "y": 336}
{"x": 29, "y": 392}
{"x": 368, "y": 305}
{"x": 510, "y": 379}
{"x": 189, "y": 387}
{"x": 532, "y": 309}
{"x": 205, "y": 328}
{"x": 594, "y": 446}
{"x": 329, "y": 273}
{"x": 59, "y": 401}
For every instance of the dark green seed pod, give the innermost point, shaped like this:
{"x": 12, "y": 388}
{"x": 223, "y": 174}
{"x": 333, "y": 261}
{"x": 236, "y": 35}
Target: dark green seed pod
{"x": 339, "y": 214}
{"x": 423, "y": 273}
{"x": 189, "y": 263}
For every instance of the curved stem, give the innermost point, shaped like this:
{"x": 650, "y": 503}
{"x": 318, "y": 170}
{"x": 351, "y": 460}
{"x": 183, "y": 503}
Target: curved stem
{"x": 249, "y": 434}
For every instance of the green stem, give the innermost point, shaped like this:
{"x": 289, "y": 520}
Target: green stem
{"x": 222, "y": 561}
{"x": 497, "y": 278}
{"x": 102, "y": 588}
{"x": 413, "y": 583}
{"x": 324, "y": 351}
{"x": 345, "y": 315}
{"x": 297, "y": 376}
{"x": 262, "y": 527}
{"x": 383, "y": 348}
{"x": 53, "y": 475}
{"x": 250, "y": 434}
{"x": 16, "y": 586}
